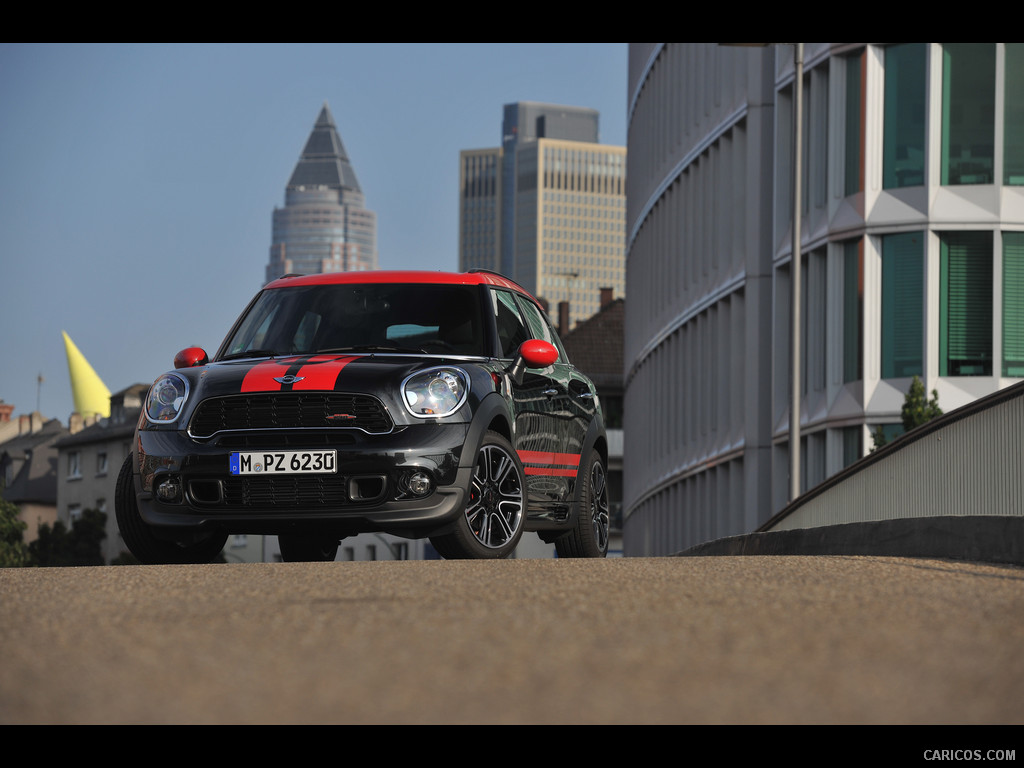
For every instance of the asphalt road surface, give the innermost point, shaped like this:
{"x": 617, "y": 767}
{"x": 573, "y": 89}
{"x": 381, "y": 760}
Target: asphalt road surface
{"x": 639, "y": 640}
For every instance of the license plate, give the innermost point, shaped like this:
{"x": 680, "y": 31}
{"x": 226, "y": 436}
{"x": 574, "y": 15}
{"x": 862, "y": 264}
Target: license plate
{"x": 283, "y": 462}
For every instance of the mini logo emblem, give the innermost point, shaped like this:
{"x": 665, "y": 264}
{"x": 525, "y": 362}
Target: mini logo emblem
{"x": 289, "y": 379}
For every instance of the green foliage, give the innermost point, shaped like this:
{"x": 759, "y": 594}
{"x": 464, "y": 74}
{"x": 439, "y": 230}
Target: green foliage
{"x": 57, "y": 546}
{"x": 917, "y": 410}
{"x": 13, "y": 552}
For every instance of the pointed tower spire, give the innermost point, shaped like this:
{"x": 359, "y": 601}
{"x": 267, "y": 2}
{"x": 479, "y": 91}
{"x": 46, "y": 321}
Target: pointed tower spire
{"x": 90, "y": 394}
{"x": 324, "y": 161}
{"x": 325, "y": 225}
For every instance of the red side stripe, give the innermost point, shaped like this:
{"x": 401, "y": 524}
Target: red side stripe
{"x": 546, "y": 457}
{"x": 549, "y": 471}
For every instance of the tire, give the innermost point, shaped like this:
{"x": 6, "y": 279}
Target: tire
{"x": 495, "y": 514}
{"x": 139, "y": 536}
{"x": 589, "y": 536}
{"x": 300, "y": 548}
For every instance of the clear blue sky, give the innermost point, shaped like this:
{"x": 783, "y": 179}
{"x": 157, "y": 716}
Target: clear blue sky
{"x": 137, "y": 182}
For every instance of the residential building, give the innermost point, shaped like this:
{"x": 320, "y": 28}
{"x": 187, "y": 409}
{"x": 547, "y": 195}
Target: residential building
{"x": 546, "y": 208}
{"x": 912, "y": 263}
{"x": 324, "y": 225}
{"x": 28, "y": 467}
{"x": 89, "y": 460}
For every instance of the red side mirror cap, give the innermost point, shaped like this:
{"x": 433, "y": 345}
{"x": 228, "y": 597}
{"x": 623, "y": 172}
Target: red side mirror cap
{"x": 538, "y": 354}
{"x": 190, "y": 357}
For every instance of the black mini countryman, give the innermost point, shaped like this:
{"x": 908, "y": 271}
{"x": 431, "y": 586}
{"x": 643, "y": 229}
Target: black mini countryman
{"x": 422, "y": 404}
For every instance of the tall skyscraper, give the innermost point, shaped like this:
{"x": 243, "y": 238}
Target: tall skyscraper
{"x": 547, "y": 208}
{"x": 324, "y": 225}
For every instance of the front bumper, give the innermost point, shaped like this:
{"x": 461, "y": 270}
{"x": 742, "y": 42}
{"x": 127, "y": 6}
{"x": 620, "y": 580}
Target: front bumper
{"x": 368, "y": 492}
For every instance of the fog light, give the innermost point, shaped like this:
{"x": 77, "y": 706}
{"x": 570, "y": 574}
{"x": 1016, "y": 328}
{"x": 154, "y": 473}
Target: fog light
{"x": 419, "y": 483}
{"x": 169, "y": 490}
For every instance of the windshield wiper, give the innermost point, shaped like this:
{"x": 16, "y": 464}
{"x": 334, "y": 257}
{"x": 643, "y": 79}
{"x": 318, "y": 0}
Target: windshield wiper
{"x": 250, "y": 353}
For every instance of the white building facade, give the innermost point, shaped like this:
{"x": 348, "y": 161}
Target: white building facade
{"x": 912, "y": 244}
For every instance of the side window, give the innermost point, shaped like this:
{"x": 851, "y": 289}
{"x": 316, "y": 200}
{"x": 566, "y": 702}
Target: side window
{"x": 511, "y": 329}
{"x": 540, "y": 327}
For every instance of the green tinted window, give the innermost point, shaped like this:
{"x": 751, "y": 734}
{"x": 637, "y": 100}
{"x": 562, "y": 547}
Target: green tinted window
{"x": 903, "y": 137}
{"x": 968, "y": 113}
{"x": 1013, "y": 120}
{"x": 902, "y": 304}
{"x": 965, "y": 314}
{"x": 1013, "y": 304}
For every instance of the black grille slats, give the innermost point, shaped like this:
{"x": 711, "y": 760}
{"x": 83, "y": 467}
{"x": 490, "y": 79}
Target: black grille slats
{"x": 290, "y": 410}
{"x": 286, "y": 492}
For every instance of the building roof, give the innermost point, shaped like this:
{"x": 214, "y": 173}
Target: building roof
{"x": 324, "y": 162}
{"x": 595, "y": 345}
{"x": 34, "y": 460}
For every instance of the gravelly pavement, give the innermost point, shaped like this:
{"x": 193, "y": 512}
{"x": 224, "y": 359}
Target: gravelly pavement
{"x": 696, "y": 640}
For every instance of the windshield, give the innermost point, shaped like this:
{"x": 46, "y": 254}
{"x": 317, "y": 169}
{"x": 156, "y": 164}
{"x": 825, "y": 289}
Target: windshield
{"x": 431, "y": 319}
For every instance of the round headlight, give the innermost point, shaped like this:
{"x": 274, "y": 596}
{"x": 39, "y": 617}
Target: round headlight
{"x": 166, "y": 398}
{"x": 435, "y": 392}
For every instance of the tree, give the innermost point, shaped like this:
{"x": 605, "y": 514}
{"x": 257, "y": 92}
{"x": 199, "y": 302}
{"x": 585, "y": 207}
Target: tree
{"x": 13, "y": 552}
{"x": 917, "y": 410}
{"x": 57, "y": 546}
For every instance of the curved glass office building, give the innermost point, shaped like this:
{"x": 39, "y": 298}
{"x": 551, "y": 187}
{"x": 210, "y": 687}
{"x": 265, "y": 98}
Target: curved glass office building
{"x": 912, "y": 254}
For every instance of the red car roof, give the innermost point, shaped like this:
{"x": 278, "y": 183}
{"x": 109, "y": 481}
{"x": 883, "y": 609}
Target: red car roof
{"x": 396, "y": 276}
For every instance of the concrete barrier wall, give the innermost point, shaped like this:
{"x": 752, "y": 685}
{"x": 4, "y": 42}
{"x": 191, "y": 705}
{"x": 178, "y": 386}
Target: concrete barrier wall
{"x": 968, "y": 462}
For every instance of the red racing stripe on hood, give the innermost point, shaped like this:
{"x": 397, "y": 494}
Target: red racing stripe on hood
{"x": 317, "y": 372}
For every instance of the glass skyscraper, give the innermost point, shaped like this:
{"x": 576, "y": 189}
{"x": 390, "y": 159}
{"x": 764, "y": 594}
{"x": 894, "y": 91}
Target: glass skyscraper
{"x": 547, "y": 208}
{"x": 324, "y": 225}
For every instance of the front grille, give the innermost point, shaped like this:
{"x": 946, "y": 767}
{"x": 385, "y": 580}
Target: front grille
{"x": 286, "y": 492}
{"x": 290, "y": 410}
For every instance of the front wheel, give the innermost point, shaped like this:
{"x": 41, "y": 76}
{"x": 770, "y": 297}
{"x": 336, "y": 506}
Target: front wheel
{"x": 589, "y": 536}
{"x": 299, "y": 548}
{"x": 140, "y": 538}
{"x": 495, "y": 514}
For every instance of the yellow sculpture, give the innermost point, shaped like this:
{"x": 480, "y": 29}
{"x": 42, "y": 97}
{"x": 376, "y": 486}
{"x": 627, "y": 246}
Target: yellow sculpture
{"x": 90, "y": 394}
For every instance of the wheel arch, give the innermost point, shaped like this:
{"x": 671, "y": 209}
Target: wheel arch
{"x": 492, "y": 415}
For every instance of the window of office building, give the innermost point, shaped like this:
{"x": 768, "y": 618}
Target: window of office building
{"x": 965, "y": 307}
{"x": 1013, "y": 115}
{"x": 1013, "y": 304}
{"x": 968, "y": 112}
{"x": 902, "y": 304}
{"x": 853, "y": 438}
{"x": 853, "y": 309}
{"x": 854, "y": 156}
{"x": 903, "y": 137}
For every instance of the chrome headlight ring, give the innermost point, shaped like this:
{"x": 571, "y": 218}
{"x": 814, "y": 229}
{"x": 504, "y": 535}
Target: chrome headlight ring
{"x": 435, "y": 392}
{"x": 166, "y": 398}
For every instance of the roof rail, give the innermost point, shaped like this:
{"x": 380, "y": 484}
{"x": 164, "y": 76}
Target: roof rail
{"x": 496, "y": 274}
